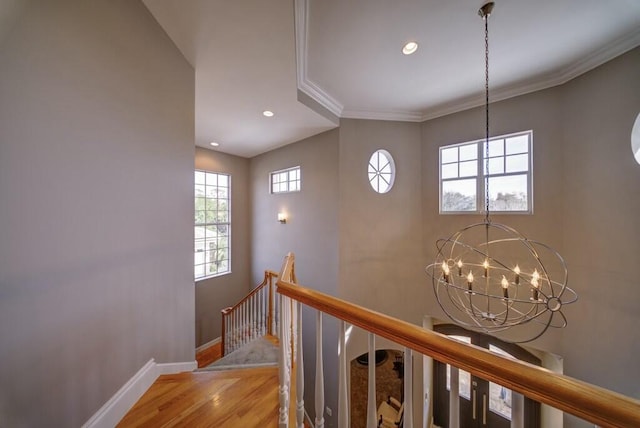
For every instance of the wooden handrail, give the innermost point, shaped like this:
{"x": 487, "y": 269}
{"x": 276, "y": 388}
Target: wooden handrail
{"x": 264, "y": 283}
{"x": 269, "y": 275}
{"x": 589, "y": 402}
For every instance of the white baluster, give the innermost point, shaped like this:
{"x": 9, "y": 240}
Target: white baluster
{"x": 454, "y": 401}
{"x": 260, "y": 313}
{"x": 276, "y": 313}
{"x": 252, "y": 321}
{"x": 319, "y": 374}
{"x": 299, "y": 371}
{"x": 283, "y": 391}
{"x": 408, "y": 389}
{"x": 343, "y": 392}
{"x": 372, "y": 418}
{"x": 294, "y": 329}
{"x": 245, "y": 315}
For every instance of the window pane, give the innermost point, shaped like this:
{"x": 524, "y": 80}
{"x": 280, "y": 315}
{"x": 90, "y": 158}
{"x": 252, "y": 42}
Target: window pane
{"x": 496, "y": 166}
{"x": 211, "y": 242}
{"x": 199, "y": 178}
{"x": 464, "y": 378}
{"x": 469, "y": 168}
{"x": 508, "y": 193}
{"x": 449, "y": 155}
{"x": 211, "y": 179}
{"x": 496, "y": 148}
{"x": 199, "y": 271}
{"x": 459, "y": 195}
{"x": 517, "y": 163}
{"x": 469, "y": 152}
{"x": 449, "y": 171}
{"x": 518, "y": 144}
{"x": 282, "y": 181}
{"x": 500, "y": 400}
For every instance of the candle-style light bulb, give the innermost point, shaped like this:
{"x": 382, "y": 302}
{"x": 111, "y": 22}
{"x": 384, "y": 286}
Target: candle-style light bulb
{"x": 536, "y": 275}
{"x": 505, "y": 287}
{"x": 470, "y": 280}
{"x": 534, "y": 282}
{"x": 445, "y": 271}
{"x": 460, "y": 267}
{"x": 517, "y": 271}
{"x": 486, "y": 267}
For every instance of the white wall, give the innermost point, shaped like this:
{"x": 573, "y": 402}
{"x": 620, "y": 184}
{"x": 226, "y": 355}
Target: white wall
{"x": 96, "y": 207}
{"x": 215, "y": 294}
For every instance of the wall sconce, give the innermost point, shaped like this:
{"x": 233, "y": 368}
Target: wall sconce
{"x": 282, "y": 218}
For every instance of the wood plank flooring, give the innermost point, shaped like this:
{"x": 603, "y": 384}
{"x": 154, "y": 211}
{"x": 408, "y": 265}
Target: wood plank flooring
{"x": 230, "y": 398}
{"x": 242, "y": 398}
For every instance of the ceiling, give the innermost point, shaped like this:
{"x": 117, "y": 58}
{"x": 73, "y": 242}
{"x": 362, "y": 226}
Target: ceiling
{"x": 312, "y": 62}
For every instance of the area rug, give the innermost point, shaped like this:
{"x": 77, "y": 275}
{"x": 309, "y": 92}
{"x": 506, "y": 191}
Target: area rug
{"x": 258, "y": 353}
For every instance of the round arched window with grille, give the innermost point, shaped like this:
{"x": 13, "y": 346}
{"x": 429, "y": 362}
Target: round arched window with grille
{"x": 382, "y": 171}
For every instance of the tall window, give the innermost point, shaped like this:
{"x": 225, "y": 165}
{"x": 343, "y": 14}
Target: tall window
{"x": 286, "y": 180}
{"x": 463, "y": 172}
{"x": 212, "y": 224}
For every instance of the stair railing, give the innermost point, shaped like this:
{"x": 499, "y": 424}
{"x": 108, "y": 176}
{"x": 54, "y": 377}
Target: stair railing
{"x": 589, "y": 402}
{"x": 254, "y": 316}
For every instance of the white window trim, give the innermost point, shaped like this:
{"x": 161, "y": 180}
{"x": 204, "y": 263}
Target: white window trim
{"x": 287, "y": 170}
{"x": 480, "y": 177}
{"x": 228, "y": 223}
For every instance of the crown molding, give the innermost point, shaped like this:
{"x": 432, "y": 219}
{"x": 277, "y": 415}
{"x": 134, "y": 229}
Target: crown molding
{"x": 403, "y": 116}
{"x": 563, "y": 75}
{"x": 304, "y": 83}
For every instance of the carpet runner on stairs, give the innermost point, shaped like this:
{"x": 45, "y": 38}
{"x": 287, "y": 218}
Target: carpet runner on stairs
{"x": 258, "y": 353}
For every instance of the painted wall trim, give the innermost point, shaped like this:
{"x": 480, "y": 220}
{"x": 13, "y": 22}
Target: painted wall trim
{"x": 114, "y": 410}
{"x": 208, "y": 344}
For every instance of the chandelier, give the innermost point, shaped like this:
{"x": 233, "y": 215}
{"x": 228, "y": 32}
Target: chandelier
{"x": 488, "y": 277}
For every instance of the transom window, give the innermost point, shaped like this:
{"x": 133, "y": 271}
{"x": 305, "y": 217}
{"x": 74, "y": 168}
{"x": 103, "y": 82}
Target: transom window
{"x": 286, "y": 180}
{"x": 212, "y": 224}
{"x": 467, "y": 174}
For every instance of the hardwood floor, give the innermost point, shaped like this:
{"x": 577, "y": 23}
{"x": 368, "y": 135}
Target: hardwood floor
{"x": 231, "y": 398}
{"x": 242, "y": 398}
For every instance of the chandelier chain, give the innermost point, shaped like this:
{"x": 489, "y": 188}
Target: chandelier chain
{"x": 486, "y": 99}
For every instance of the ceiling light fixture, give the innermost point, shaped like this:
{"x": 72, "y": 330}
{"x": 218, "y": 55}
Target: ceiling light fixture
{"x": 214, "y": 144}
{"x": 267, "y": 113}
{"x": 488, "y": 277}
{"x": 410, "y": 48}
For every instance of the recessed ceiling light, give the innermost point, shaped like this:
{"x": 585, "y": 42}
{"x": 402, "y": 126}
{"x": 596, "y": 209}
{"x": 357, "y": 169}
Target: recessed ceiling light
{"x": 214, "y": 144}
{"x": 267, "y": 113}
{"x": 410, "y": 48}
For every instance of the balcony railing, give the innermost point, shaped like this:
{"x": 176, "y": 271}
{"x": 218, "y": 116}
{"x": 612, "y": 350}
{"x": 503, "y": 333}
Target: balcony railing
{"x": 597, "y": 405}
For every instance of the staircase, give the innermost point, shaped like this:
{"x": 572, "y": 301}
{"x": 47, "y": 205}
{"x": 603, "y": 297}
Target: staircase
{"x": 273, "y": 396}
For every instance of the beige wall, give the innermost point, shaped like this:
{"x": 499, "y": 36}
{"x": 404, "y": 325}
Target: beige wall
{"x": 215, "y": 294}
{"x": 601, "y": 206}
{"x": 311, "y": 233}
{"x": 96, "y": 207}
{"x": 380, "y": 234}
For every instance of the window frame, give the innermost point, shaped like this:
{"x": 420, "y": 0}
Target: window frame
{"x": 288, "y": 181}
{"x": 374, "y": 172}
{"x": 215, "y": 223}
{"x": 480, "y": 175}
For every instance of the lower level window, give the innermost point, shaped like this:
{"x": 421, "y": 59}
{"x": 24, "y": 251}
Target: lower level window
{"x": 212, "y": 232}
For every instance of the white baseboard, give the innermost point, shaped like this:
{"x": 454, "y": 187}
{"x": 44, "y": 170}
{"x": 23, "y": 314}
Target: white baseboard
{"x": 209, "y": 344}
{"x": 122, "y": 401}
